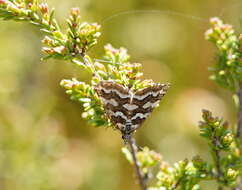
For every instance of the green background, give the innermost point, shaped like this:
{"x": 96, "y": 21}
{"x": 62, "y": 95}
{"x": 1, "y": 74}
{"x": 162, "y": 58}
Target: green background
{"x": 44, "y": 142}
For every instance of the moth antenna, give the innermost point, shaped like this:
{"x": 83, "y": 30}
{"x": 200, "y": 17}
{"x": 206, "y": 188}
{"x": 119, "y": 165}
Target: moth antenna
{"x": 95, "y": 74}
{"x": 105, "y": 61}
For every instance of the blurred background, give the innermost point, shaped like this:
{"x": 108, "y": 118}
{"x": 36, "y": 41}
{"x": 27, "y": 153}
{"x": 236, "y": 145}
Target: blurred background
{"x": 44, "y": 142}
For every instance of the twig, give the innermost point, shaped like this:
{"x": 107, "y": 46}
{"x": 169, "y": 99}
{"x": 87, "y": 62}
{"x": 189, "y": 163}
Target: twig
{"x": 217, "y": 155}
{"x": 177, "y": 184}
{"x": 219, "y": 174}
{"x": 139, "y": 173}
{"x": 217, "y": 159}
{"x": 239, "y": 127}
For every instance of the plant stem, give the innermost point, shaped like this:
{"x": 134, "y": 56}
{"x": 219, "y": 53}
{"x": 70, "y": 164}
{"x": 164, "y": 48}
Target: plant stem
{"x": 239, "y": 127}
{"x": 217, "y": 159}
{"x": 139, "y": 173}
{"x": 219, "y": 174}
{"x": 176, "y": 184}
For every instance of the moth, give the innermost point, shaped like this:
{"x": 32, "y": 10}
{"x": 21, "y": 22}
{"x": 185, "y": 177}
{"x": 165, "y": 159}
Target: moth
{"x": 128, "y": 109}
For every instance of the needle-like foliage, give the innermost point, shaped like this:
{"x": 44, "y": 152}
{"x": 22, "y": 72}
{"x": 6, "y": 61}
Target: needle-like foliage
{"x": 73, "y": 44}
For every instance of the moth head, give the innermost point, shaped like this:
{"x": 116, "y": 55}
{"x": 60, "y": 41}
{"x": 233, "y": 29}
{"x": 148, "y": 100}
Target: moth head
{"x": 128, "y": 127}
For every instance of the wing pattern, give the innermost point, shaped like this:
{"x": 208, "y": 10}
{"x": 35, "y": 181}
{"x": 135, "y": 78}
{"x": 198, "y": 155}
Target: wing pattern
{"x": 126, "y": 109}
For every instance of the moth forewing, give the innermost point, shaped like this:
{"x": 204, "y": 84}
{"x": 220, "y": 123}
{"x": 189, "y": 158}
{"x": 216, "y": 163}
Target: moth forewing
{"x": 146, "y": 99}
{"x": 113, "y": 96}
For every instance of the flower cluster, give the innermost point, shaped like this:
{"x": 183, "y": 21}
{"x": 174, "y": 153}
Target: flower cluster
{"x": 228, "y": 70}
{"x": 79, "y": 39}
{"x": 29, "y": 10}
{"x": 148, "y": 159}
{"x": 85, "y": 94}
{"x": 75, "y": 42}
{"x": 183, "y": 175}
{"x": 226, "y": 152}
{"x": 216, "y": 131}
{"x": 120, "y": 69}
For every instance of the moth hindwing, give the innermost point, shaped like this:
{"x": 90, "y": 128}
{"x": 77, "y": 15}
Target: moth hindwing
{"x": 128, "y": 109}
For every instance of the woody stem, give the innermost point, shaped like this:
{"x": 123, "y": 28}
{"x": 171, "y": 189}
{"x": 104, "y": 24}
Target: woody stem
{"x": 139, "y": 173}
{"x": 239, "y": 127}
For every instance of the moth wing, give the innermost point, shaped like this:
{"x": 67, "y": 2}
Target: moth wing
{"x": 113, "y": 97}
{"x": 147, "y": 99}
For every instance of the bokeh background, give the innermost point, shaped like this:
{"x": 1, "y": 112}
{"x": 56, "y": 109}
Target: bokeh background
{"x": 44, "y": 142}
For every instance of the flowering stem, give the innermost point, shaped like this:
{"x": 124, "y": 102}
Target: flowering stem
{"x": 217, "y": 159}
{"x": 239, "y": 127}
{"x": 139, "y": 173}
{"x": 217, "y": 162}
{"x": 177, "y": 184}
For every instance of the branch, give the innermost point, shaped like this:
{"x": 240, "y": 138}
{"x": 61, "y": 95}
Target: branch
{"x": 139, "y": 173}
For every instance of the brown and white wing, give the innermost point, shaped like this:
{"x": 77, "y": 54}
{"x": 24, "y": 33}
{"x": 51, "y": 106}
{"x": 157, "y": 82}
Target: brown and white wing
{"x": 146, "y": 100}
{"x": 113, "y": 97}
